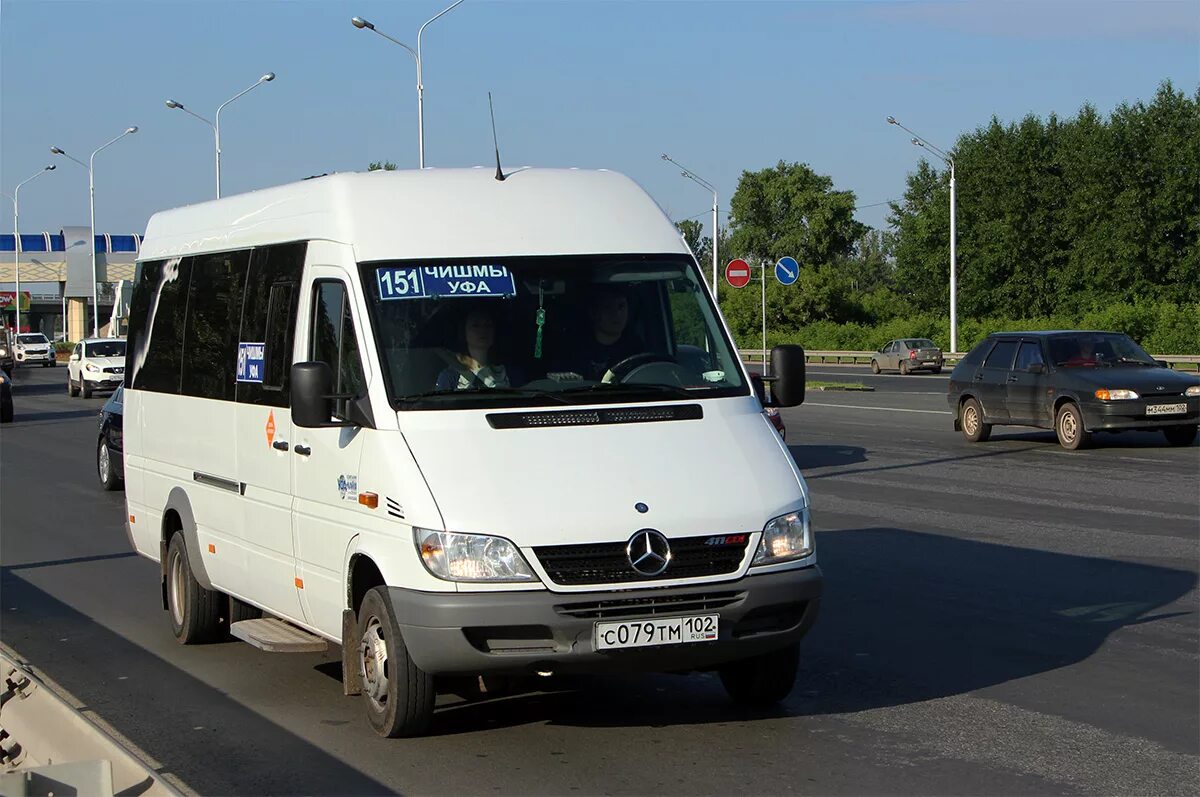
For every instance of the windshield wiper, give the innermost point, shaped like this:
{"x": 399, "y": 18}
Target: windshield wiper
{"x": 608, "y": 387}
{"x": 482, "y": 391}
{"x": 1135, "y": 361}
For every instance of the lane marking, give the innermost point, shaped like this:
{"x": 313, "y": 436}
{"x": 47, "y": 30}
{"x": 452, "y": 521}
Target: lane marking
{"x": 885, "y": 409}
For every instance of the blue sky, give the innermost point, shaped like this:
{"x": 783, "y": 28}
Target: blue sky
{"x": 722, "y": 86}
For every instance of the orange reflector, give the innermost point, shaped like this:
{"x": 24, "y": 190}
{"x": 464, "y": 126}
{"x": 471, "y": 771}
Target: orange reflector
{"x": 369, "y": 500}
{"x": 299, "y": 583}
{"x": 212, "y": 548}
{"x": 131, "y": 519}
{"x": 1102, "y": 394}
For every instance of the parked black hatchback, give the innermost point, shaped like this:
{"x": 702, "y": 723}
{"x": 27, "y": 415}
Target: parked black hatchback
{"x": 1073, "y": 382}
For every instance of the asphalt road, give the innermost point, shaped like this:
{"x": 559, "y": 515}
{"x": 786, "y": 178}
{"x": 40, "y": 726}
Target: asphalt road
{"x": 1003, "y": 618}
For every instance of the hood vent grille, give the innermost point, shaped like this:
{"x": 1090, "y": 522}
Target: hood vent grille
{"x": 597, "y": 417}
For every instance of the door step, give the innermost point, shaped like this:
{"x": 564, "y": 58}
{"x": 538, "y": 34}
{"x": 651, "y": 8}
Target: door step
{"x": 275, "y": 636}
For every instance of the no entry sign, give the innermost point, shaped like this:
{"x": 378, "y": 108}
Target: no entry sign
{"x": 737, "y": 273}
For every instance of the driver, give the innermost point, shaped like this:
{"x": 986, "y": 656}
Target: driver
{"x": 610, "y": 340}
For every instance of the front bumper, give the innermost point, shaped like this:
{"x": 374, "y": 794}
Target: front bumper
{"x": 103, "y": 381}
{"x": 35, "y": 357}
{"x": 489, "y": 633}
{"x": 1126, "y": 415}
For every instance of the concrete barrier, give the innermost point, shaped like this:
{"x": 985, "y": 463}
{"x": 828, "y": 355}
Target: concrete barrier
{"x": 48, "y": 747}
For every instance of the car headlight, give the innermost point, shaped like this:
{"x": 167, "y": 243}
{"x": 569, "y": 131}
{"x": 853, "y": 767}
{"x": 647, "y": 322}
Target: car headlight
{"x": 1104, "y": 394}
{"x": 90, "y": 367}
{"x": 1192, "y": 391}
{"x": 3, "y": 351}
{"x": 470, "y": 557}
{"x": 785, "y": 538}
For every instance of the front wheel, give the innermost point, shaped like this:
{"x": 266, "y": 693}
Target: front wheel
{"x": 762, "y": 680}
{"x": 1180, "y": 435}
{"x": 109, "y": 478}
{"x": 399, "y": 694}
{"x": 937, "y": 369}
{"x": 1068, "y": 425}
{"x": 971, "y": 420}
{"x": 85, "y": 389}
{"x": 874, "y": 367}
{"x": 195, "y": 611}
{"x": 71, "y": 389}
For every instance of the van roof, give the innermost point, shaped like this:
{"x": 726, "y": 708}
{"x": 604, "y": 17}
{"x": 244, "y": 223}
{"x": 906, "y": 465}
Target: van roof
{"x": 429, "y": 213}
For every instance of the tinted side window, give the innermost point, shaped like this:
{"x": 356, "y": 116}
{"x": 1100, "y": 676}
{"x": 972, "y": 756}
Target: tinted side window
{"x": 214, "y": 309}
{"x": 333, "y": 339}
{"x": 156, "y": 325}
{"x": 1029, "y": 354}
{"x": 1002, "y": 355}
{"x": 269, "y": 318}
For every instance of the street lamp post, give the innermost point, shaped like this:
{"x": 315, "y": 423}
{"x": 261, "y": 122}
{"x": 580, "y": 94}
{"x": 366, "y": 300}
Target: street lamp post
{"x": 91, "y": 167}
{"x": 949, "y": 161}
{"x": 363, "y": 24}
{"x": 16, "y": 199}
{"x": 705, "y": 184}
{"x": 216, "y": 126}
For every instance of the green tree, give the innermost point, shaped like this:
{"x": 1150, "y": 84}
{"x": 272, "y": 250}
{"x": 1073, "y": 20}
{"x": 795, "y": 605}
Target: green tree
{"x": 386, "y": 166}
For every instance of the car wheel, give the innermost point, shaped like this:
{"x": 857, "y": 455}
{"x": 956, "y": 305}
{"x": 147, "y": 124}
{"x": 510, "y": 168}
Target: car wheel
{"x": 6, "y": 412}
{"x": 904, "y": 367}
{"x": 762, "y": 680}
{"x": 195, "y": 611}
{"x": 399, "y": 694}
{"x": 109, "y": 478}
{"x": 937, "y": 369}
{"x": 971, "y": 420}
{"x": 1068, "y": 425}
{"x": 85, "y": 389}
{"x": 72, "y": 391}
{"x": 874, "y": 367}
{"x": 1180, "y": 435}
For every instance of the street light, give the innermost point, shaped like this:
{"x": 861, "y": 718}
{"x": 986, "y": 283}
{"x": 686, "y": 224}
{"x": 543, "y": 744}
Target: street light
{"x": 704, "y": 183}
{"x": 216, "y": 127}
{"x": 363, "y": 24}
{"x": 16, "y": 200}
{"x": 91, "y": 167}
{"x": 949, "y": 161}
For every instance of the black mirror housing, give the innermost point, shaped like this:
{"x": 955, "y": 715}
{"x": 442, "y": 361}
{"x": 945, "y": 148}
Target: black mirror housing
{"x": 1036, "y": 368}
{"x": 787, "y": 376}
{"x": 312, "y": 407}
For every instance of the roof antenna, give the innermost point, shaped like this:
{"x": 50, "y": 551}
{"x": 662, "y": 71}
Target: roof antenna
{"x": 492, "y": 111}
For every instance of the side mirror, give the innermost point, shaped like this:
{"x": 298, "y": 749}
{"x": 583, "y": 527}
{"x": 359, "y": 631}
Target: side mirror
{"x": 74, "y": 357}
{"x": 312, "y": 405}
{"x": 788, "y": 380}
{"x": 1163, "y": 364}
{"x": 1036, "y": 368}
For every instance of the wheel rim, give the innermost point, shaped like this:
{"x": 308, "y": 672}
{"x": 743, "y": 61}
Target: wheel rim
{"x": 373, "y": 663}
{"x": 104, "y": 463}
{"x": 1068, "y": 426}
{"x": 176, "y": 589}
{"x": 970, "y": 420}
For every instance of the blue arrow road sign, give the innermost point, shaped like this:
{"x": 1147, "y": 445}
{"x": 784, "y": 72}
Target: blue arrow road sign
{"x": 787, "y": 270}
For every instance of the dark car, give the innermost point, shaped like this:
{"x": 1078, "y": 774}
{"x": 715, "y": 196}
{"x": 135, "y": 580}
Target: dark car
{"x": 1075, "y": 383}
{"x": 6, "y": 402}
{"x": 110, "y": 452}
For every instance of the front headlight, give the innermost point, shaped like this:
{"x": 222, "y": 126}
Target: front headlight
{"x": 3, "y": 351}
{"x": 91, "y": 368}
{"x": 785, "y": 538}
{"x": 1192, "y": 391}
{"x": 470, "y": 557}
{"x": 1116, "y": 395}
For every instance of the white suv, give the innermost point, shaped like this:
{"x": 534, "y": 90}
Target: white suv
{"x": 33, "y": 347}
{"x": 96, "y": 364}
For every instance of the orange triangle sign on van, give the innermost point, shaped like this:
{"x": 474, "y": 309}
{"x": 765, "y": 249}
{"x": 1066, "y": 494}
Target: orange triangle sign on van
{"x": 271, "y": 427}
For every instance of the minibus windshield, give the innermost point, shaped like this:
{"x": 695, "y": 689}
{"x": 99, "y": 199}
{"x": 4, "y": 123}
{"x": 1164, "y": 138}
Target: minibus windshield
{"x": 536, "y": 331}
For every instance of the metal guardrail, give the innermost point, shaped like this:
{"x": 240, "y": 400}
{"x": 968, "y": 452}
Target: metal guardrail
{"x": 1181, "y": 362}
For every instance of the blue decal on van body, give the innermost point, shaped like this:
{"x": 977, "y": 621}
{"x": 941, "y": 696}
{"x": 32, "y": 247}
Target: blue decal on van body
{"x": 251, "y": 363}
{"x": 420, "y": 282}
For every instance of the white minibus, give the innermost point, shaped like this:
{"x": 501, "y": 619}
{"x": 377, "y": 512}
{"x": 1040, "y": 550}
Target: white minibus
{"x": 460, "y": 426}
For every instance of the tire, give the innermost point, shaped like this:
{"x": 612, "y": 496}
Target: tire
{"x": 970, "y": 417}
{"x": 54, "y": 363}
{"x": 937, "y": 370}
{"x": 1180, "y": 435}
{"x": 45, "y": 365}
{"x": 85, "y": 389}
{"x": 904, "y": 367}
{"x": 6, "y": 413}
{"x": 195, "y": 612}
{"x": 874, "y": 367}
{"x": 762, "y": 680}
{"x": 72, "y": 391}
{"x": 1068, "y": 425}
{"x": 397, "y": 693}
{"x": 109, "y": 478}
{"x": 240, "y": 610}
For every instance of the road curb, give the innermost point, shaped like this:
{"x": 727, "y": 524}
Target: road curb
{"x": 844, "y": 389}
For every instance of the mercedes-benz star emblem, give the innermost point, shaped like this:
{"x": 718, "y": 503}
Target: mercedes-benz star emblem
{"x": 649, "y": 552}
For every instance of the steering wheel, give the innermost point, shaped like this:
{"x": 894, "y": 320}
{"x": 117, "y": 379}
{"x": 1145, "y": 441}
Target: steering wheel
{"x": 624, "y": 369}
